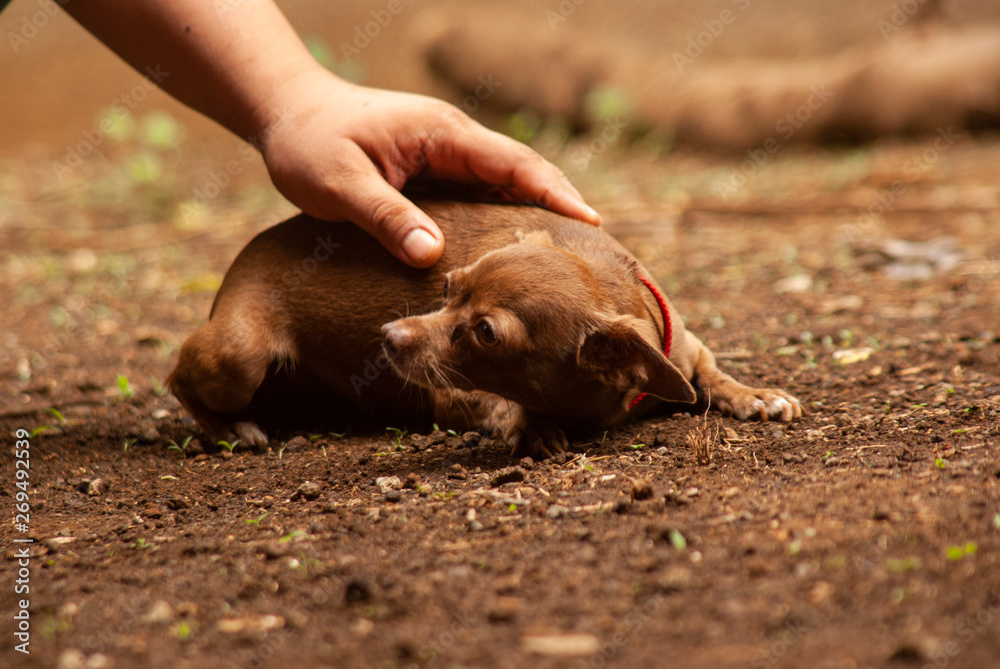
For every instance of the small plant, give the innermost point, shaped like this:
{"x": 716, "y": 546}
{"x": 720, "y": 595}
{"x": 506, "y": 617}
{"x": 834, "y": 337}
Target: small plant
{"x": 677, "y": 540}
{"x": 125, "y": 391}
{"x": 291, "y": 535}
{"x": 637, "y": 447}
{"x": 229, "y": 447}
{"x": 940, "y": 463}
{"x": 127, "y": 445}
{"x": 43, "y": 428}
{"x": 255, "y": 521}
{"x": 182, "y": 631}
{"x": 397, "y": 437}
{"x": 702, "y": 440}
{"x": 452, "y": 433}
{"x": 955, "y": 553}
{"x": 281, "y": 449}
{"x": 141, "y": 544}
{"x": 901, "y": 566}
{"x": 181, "y": 447}
{"x": 445, "y": 496}
{"x": 54, "y": 412}
{"x": 604, "y": 437}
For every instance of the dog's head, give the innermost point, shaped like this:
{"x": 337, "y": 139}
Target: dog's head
{"x": 530, "y": 322}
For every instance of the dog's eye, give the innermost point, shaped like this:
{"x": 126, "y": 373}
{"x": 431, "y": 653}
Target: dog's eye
{"x": 444, "y": 288}
{"x": 486, "y": 335}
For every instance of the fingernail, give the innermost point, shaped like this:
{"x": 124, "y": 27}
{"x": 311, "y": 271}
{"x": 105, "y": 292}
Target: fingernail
{"x": 419, "y": 244}
{"x": 592, "y": 213}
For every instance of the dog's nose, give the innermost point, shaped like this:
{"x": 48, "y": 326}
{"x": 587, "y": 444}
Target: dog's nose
{"x": 396, "y": 338}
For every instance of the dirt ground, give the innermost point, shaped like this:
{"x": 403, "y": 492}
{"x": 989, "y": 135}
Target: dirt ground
{"x": 866, "y": 534}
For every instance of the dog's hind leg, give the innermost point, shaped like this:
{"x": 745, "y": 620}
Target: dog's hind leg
{"x": 220, "y": 368}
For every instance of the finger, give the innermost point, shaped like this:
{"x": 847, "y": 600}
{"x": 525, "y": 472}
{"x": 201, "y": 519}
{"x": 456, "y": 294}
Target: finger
{"x": 491, "y": 157}
{"x": 381, "y": 210}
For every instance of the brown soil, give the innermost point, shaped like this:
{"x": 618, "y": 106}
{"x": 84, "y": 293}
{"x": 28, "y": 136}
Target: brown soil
{"x": 866, "y": 534}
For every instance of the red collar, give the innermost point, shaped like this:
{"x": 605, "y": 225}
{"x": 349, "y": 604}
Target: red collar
{"x": 667, "y": 330}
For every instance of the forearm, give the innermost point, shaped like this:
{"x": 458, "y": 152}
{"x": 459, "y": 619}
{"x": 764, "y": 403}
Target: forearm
{"x": 228, "y": 61}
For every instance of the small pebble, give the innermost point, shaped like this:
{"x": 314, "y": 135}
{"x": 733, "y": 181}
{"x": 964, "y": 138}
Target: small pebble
{"x": 420, "y": 442}
{"x": 412, "y": 481}
{"x": 458, "y": 472}
{"x": 394, "y": 496}
{"x": 642, "y": 489}
{"x": 296, "y": 444}
{"x": 476, "y": 526}
{"x": 387, "y": 483}
{"x": 308, "y": 491}
{"x": 471, "y": 439}
{"x": 556, "y": 511}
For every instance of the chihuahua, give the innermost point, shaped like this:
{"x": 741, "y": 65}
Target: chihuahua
{"x": 530, "y": 325}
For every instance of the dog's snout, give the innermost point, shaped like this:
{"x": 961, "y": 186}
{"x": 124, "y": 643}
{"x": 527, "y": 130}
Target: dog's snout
{"x": 397, "y": 337}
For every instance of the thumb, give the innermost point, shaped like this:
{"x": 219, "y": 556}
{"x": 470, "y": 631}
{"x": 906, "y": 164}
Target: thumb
{"x": 400, "y": 226}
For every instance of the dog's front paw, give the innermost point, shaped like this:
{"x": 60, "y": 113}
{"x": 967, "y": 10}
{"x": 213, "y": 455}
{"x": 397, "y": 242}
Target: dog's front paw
{"x": 762, "y": 403}
{"x": 248, "y": 434}
{"x": 538, "y": 437}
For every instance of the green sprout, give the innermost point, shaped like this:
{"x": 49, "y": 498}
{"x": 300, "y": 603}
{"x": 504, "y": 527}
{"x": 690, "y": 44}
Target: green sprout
{"x": 940, "y": 463}
{"x": 255, "y": 521}
{"x": 677, "y": 540}
{"x": 397, "y": 437}
{"x": 955, "y": 553}
{"x": 181, "y": 447}
{"x": 127, "y": 445}
{"x": 636, "y": 447}
{"x": 229, "y": 447}
{"x": 125, "y": 390}
{"x": 182, "y": 630}
{"x": 141, "y": 544}
{"x": 54, "y": 412}
{"x": 43, "y": 428}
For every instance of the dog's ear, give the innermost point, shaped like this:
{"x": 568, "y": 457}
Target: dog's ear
{"x": 625, "y": 361}
{"x": 541, "y": 237}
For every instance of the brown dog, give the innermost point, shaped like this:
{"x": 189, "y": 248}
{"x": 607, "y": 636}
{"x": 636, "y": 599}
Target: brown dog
{"x": 530, "y": 323}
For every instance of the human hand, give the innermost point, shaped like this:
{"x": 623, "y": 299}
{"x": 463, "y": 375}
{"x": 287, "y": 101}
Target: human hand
{"x": 340, "y": 151}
